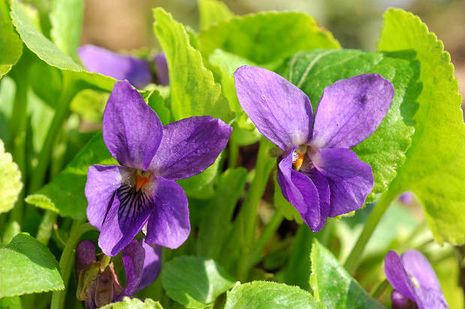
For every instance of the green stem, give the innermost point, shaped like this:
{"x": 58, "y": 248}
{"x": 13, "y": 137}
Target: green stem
{"x": 248, "y": 214}
{"x": 46, "y": 226}
{"x": 268, "y": 232}
{"x": 18, "y": 129}
{"x": 355, "y": 256}
{"x": 379, "y": 291}
{"x": 233, "y": 153}
{"x": 58, "y": 239}
{"x": 67, "y": 261}
{"x": 325, "y": 236}
{"x": 104, "y": 262}
{"x": 61, "y": 112}
{"x": 409, "y": 242}
{"x": 297, "y": 270}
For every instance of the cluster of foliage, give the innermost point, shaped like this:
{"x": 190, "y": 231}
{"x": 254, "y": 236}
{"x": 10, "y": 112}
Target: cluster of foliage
{"x": 247, "y": 246}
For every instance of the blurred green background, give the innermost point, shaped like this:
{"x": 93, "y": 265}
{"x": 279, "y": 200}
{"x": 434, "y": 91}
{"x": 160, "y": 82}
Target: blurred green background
{"x": 127, "y": 24}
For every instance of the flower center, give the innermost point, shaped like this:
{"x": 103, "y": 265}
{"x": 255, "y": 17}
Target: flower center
{"x": 142, "y": 178}
{"x": 301, "y": 158}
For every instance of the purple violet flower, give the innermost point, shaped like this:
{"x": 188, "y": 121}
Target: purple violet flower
{"x": 98, "y": 283}
{"x": 414, "y": 281}
{"x": 161, "y": 67}
{"x": 407, "y": 198}
{"x": 318, "y": 172}
{"x": 136, "y": 71}
{"x": 142, "y": 191}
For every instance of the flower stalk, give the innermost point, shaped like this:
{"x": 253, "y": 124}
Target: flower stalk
{"x": 267, "y": 234}
{"x": 37, "y": 179}
{"x": 248, "y": 214}
{"x": 67, "y": 260}
{"x": 61, "y": 113}
{"x": 375, "y": 216}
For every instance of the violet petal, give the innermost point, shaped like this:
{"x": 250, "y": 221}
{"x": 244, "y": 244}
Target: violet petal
{"x": 189, "y": 146}
{"x": 132, "y": 131}
{"x": 350, "y": 110}
{"x": 168, "y": 225}
{"x": 152, "y": 264}
{"x": 397, "y": 276}
{"x": 350, "y": 180}
{"x": 301, "y": 192}
{"x": 161, "y": 67}
{"x": 399, "y": 301}
{"x": 428, "y": 291}
{"x": 133, "y": 261}
{"x": 280, "y": 111}
{"x": 125, "y": 218}
{"x": 324, "y": 195}
{"x": 85, "y": 255}
{"x": 121, "y": 67}
{"x": 102, "y": 182}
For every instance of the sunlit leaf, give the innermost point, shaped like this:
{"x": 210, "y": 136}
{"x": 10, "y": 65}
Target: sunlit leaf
{"x": 332, "y": 285}
{"x": 27, "y": 267}
{"x": 267, "y": 36}
{"x": 434, "y": 168}
{"x": 194, "y": 282}
{"x": 10, "y": 180}
{"x": 66, "y": 18}
{"x": 11, "y": 46}
{"x": 269, "y": 295}
{"x": 193, "y": 88}
{"x": 211, "y": 12}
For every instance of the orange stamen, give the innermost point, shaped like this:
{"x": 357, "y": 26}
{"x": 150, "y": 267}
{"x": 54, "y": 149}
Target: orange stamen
{"x": 297, "y": 163}
{"x": 142, "y": 179}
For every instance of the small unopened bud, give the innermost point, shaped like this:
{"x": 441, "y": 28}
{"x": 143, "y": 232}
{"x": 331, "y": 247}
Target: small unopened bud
{"x": 399, "y": 301}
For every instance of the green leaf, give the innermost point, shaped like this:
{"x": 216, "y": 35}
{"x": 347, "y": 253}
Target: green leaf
{"x": 66, "y": 18}
{"x": 201, "y": 185}
{"x": 216, "y": 223}
{"x": 89, "y": 104}
{"x": 297, "y": 268}
{"x": 194, "y": 282}
{"x": 69, "y": 184}
{"x": 11, "y": 302}
{"x": 269, "y": 295}
{"x": 332, "y": 285}
{"x": 45, "y": 80}
{"x": 7, "y": 101}
{"x": 158, "y": 104}
{"x": 11, "y": 46}
{"x": 10, "y": 180}
{"x": 37, "y": 42}
{"x": 226, "y": 64}
{"x": 385, "y": 149}
{"x": 27, "y": 266}
{"x": 435, "y": 164}
{"x": 50, "y": 53}
{"x": 266, "y": 37}
{"x": 193, "y": 88}
{"x": 212, "y": 12}
{"x": 134, "y": 303}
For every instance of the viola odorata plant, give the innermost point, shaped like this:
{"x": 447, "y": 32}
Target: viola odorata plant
{"x": 98, "y": 283}
{"x": 142, "y": 190}
{"x": 249, "y": 161}
{"x": 318, "y": 172}
{"x": 414, "y": 281}
{"x": 124, "y": 67}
